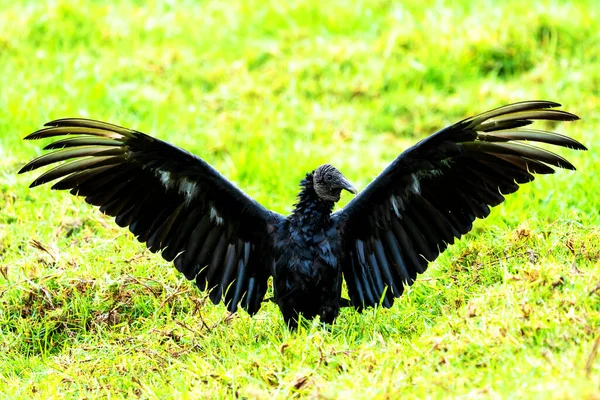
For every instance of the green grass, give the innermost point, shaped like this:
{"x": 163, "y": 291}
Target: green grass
{"x": 266, "y": 91}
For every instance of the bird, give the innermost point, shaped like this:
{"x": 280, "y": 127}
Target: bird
{"x": 230, "y": 245}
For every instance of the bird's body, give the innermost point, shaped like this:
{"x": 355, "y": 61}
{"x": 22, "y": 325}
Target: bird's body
{"x": 230, "y": 245}
{"x": 307, "y": 273}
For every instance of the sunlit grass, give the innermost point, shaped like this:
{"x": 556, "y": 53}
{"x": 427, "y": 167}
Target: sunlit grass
{"x": 265, "y": 92}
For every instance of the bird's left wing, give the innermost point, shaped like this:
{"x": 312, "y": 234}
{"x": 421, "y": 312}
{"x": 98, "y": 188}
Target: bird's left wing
{"x": 170, "y": 199}
{"x": 431, "y": 194}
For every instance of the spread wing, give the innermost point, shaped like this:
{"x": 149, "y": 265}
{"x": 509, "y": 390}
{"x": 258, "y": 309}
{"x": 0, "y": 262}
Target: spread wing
{"x": 171, "y": 200}
{"x": 431, "y": 194}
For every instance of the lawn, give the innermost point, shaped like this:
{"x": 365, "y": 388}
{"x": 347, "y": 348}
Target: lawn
{"x": 265, "y": 92}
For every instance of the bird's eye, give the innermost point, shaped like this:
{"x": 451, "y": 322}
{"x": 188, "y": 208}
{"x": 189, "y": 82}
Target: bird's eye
{"x": 328, "y": 177}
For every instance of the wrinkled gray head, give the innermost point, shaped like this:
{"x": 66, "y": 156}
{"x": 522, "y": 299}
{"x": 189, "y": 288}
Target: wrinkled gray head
{"x": 329, "y": 182}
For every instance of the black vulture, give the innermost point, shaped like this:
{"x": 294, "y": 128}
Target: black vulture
{"x": 230, "y": 245}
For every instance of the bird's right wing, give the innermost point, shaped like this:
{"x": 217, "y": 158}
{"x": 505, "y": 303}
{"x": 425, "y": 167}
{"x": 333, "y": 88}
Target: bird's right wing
{"x": 170, "y": 199}
{"x": 431, "y": 194}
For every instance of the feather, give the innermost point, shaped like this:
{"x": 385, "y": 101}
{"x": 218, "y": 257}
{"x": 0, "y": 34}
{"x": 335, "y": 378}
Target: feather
{"x": 89, "y": 126}
{"x": 382, "y": 261}
{"x": 378, "y": 281}
{"x": 366, "y": 278}
{"x": 118, "y": 201}
{"x": 261, "y": 288}
{"x": 249, "y": 298}
{"x": 156, "y": 240}
{"x": 417, "y": 238}
{"x": 158, "y": 218}
{"x": 509, "y": 171}
{"x": 135, "y": 213}
{"x": 480, "y": 190}
{"x": 75, "y": 166}
{"x": 184, "y": 261}
{"x": 104, "y": 180}
{"x": 493, "y": 126}
{"x": 528, "y": 164}
{"x": 537, "y": 154}
{"x": 442, "y": 198}
{"x": 418, "y": 263}
{"x": 548, "y": 115}
{"x": 431, "y": 237}
{"x": 355, "y": 287}
{"x": 61, "y": 155}
{"x": 215, "y": 266}
{"x": 473, "y": 122}
{"x": 240, "y": 280}
{"x": 84, "y": 141}
{"x": 208, "y": 246}
{"x": 533, "y": 135}
{"x": 496, "y": 177}
{"x": 61, "y": 131}
{"x": 438, "y": 222}
{"x": 231, "y": 261}
{"x": 79, "y": 177}
{"x": 183, "y": 233}
{"x": 105, "y": 195}
{"x": 393, "y": 249}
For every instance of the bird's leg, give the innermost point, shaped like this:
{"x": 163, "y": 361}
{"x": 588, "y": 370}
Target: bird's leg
{"x": 345, "y": 302}
{"x": 329, "y": 314}
{"x": 291, "y": 322}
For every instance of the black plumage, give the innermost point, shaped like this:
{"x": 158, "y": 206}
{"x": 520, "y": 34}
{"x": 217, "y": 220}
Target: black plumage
{"x": 230, "y": 245}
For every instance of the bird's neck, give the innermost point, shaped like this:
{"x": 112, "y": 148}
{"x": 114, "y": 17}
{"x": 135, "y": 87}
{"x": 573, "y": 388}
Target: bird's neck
{"x": 311, "y": 213}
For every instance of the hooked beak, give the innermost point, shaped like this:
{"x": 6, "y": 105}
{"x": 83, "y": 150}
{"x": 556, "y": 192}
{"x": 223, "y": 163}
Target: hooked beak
{"x": 348, "y": 186}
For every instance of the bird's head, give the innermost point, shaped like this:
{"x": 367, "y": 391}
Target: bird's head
{"x": 329, "y": 183}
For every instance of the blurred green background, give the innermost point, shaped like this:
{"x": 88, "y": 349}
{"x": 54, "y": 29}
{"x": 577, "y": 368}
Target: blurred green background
{"x": 266, "y": 91}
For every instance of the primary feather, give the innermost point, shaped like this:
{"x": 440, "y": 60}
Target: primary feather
{"x": 230, "y": 245}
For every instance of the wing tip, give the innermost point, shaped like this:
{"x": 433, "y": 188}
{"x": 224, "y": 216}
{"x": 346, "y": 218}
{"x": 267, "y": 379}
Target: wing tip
{"x": 576, "y": 145}
{"x": 34, "y": 135}
{"x": 544, "y": 103}
{"x": 63, "y": 121}
{"x": 568, "y": 116}
{"x": 30, "y": 166}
